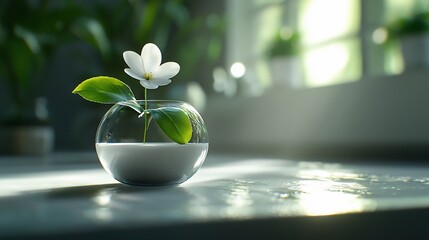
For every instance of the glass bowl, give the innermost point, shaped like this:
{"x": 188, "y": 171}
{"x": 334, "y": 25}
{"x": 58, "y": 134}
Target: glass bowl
{"x": 154, "y": 159}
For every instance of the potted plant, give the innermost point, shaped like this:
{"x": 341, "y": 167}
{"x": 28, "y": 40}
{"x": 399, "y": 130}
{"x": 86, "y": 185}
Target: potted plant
{"x": 26, "y": 45}
{"x": 283, "y": 55}
{"x": 412, "y": 34}
{"x": 146, "y": 142}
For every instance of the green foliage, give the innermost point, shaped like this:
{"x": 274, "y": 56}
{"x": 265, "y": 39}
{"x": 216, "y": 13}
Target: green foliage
{"x": 26, "y": 41}
{"x": 174, "y": 122}
{"x": 31, "y": 31}
{"x": 284, "y": 43}
{"x": 109, "y": 27}
{"x": 179, "y": 32}
{"x": 417, "y": 23}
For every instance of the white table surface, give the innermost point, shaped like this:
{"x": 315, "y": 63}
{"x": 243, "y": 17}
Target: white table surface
{"x": 70, "y": 196}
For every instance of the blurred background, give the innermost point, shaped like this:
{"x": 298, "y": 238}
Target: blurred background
{"x": 296, "y": 78}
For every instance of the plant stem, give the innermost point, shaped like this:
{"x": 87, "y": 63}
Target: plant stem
{"x": 145, "y": 115}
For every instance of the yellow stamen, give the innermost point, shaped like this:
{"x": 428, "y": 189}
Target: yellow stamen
{"x": 148, "y": 76}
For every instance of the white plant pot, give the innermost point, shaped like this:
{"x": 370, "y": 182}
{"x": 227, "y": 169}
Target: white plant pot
{"x": 286, "y": 71}
{"x": 27, "y": 140}
{"x": 415, "y": 51}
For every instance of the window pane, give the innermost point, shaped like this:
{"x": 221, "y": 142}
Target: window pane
{"x": 333, "y": 63}
{"x": 323, "y": 20}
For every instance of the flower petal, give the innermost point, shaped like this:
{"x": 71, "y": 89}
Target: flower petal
{"x": 161, "y": 81}
{"x": 166, "y": 70}
{"x": 151, "y": 56}
{"x": 148, "y": 84}
{"x": 133, "y": 74}
{"x": 134, "y": 61}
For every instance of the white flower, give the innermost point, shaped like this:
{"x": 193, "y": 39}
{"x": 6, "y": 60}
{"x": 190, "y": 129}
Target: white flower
{"x": 147, "y": 67}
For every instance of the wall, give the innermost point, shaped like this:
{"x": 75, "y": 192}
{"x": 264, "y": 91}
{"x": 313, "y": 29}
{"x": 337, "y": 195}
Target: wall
{"x": 384, "y": 118}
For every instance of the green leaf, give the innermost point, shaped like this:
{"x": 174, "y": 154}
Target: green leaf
{"x": 107, "y": 90}
{"x": 174, "y": 122}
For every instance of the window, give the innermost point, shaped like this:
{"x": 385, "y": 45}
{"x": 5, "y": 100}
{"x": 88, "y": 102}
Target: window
{"x": 336, "y": 38}
{"x": 330, "y": 39}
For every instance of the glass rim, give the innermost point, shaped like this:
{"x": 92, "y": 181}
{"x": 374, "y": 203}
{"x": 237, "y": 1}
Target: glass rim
{"x": 154, "y": 101}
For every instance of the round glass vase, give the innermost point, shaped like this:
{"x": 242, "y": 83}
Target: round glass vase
{"x": 134, "y": 157}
